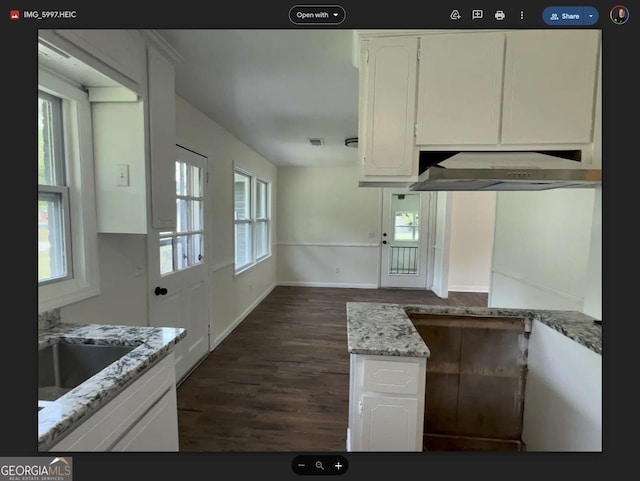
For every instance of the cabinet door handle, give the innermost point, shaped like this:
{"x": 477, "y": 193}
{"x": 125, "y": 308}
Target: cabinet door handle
{"x": 360, "y": 408}
{"x": 160, "y": 291}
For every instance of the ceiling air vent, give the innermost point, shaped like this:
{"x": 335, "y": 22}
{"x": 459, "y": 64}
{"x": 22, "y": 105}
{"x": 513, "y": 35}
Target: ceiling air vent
{"x": 317, "y": 142}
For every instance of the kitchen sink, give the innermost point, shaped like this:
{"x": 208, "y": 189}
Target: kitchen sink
{"x": 64, "y": 366}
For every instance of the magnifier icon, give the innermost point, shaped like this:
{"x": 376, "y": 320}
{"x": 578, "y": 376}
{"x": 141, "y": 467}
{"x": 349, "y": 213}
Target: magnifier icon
{"x": 319, "y": 465}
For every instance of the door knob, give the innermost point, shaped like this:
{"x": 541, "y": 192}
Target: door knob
{"x": 384, "y": 242}
{"x": 160, "y": 291}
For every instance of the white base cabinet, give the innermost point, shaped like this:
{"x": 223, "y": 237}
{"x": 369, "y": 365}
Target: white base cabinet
{"x": 386, "y": 403}
{"x": 143, "y": 417}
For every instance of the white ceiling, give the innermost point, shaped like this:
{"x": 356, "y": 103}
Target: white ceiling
{"x": 274, "y": 89}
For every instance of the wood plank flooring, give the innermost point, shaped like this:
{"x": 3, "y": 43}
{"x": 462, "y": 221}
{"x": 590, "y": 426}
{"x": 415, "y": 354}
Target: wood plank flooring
{"x": 280, "y": 380}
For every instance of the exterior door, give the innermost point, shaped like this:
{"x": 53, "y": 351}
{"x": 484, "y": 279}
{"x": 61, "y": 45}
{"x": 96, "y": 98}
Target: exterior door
{"x": 404, "y": 250}
{"x": 178, "y": 268}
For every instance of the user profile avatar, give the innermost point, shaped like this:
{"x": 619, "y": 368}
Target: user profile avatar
{"x": 619, "y": 14}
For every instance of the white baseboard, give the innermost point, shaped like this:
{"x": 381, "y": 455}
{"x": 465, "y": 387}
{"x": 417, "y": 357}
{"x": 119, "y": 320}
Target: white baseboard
{"x": 221, "y": 337}
{"x": 327, "y": 284}
{"x": 483, "y": 289}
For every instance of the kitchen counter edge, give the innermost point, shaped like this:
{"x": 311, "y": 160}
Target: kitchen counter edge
{"x": 385, "y": 329}
{"x": 63, "y": 415}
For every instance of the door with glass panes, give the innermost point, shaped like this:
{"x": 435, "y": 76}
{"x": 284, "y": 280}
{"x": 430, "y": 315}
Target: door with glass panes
{"x": 403, "y": 250}
{"x": 178, "y": 268}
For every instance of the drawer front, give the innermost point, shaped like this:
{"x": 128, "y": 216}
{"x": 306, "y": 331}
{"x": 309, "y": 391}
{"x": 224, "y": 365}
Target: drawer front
{"x": 399, "y": 377}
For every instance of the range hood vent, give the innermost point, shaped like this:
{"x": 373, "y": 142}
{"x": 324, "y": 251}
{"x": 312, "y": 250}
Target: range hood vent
{"x": 505, "y": 170}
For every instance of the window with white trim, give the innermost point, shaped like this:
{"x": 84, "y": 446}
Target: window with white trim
{"x": 54, "y": 243}
{"x": 67, "y": 235}
{"x": 252, "y": 219}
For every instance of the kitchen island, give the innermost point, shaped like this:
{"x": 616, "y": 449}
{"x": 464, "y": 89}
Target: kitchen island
{"x": 383, "y": 417}
{"x": 100, "y": 413}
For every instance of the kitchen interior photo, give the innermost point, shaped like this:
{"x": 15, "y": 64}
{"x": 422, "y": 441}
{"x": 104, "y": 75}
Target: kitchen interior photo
{"x": 319, "y": 240}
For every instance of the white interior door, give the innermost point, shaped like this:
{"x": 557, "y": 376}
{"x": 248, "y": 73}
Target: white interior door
{"x": 178, "y": 268}
{"x": 405, "y": 239}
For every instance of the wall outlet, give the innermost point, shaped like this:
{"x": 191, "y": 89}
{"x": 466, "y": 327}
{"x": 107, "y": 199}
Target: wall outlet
{"x": 337, "y": 270}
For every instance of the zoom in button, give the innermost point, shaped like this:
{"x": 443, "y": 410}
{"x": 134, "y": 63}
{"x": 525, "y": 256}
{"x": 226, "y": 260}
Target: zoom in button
{"x": 317, "y": 14}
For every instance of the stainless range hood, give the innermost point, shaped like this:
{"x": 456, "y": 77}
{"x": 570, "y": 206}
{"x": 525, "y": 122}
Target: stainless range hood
{"x": 507, "y": 171}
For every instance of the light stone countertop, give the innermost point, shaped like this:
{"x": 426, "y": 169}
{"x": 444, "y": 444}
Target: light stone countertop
{"x": 61, "y": 416}
{"x": 385, "y": 329}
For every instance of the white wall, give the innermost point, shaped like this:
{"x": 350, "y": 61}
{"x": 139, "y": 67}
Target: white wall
{"x": 542, "y": 250}
{"x": 123, "y": 284}
{"x": 324, "y": 222}
{"x": 471, "y": 244}
{"x": 593, "y": 290}
{"x": 232, "y": 297}
{"x": 548, "y": 256}
{"x": 563, "y": 394}
{"x": 123, "y": 257}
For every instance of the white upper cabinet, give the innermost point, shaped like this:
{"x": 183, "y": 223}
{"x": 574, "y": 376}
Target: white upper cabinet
{"x": 388, "y": 75}
{"x": 130, "y": 77}
{"x": 162, "y": 139}
{"x": 550, "y": 79}
{"x": 547, "y": 95}
{"x": 460, "y": 88}
{"x": 485, "y": 90}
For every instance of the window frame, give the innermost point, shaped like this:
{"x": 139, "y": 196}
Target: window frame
{"x": 174, "y": 235}
{"x": 253, "y": 220}
{"x": 79, "y": 170}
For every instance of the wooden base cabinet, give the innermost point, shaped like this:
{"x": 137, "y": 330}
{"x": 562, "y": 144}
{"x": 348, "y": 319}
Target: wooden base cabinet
{"x": 386, "y": 403}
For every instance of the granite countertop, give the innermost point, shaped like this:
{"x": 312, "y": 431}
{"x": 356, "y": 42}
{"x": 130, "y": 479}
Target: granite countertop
{"x": 385, "y": 329}
{"x": 61, "y": 416}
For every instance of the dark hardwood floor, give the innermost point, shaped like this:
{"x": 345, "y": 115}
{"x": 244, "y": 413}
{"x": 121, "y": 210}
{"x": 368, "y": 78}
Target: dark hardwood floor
{"x": 280, "y": 380}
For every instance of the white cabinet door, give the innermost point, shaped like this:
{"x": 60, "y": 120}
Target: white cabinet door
{"x": 550, "y": 86}
{"x": 388, "y": 75}
{"x": 389, "y": 423}
{"x": 386, "y": 403}
{"x": 460, "y": 88}
{"x": 162, "y": 139}
{"x": 157, "y": 430}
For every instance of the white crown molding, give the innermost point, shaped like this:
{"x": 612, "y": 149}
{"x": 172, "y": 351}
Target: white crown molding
{"x": 159, "y": 42}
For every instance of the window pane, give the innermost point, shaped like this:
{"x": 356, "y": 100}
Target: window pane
{"x": 166, "y": 255}
{"x": 406, "y": 226}
{"x": 261, "y": 200}
{"x": 49, "y": 140}
{"x": 196, "y": 240}
{"x": 181, "y": 178}
{"x": 243, "y": 245}
{"x": 182, "y": 248}
{"x": 196, "y": 181}
{"x": 51, "y": 239}
{"x": 242, "y": 199}
{"x": 182, "y": 220}
{"x": 195, "y": 211}
{"x": 262, "y": 239}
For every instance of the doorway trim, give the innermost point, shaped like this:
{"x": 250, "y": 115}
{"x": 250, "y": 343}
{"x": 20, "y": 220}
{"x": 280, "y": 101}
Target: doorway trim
{"x": 427, "y": 233}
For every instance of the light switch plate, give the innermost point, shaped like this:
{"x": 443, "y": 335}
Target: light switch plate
{"x": 123, "y": 175}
